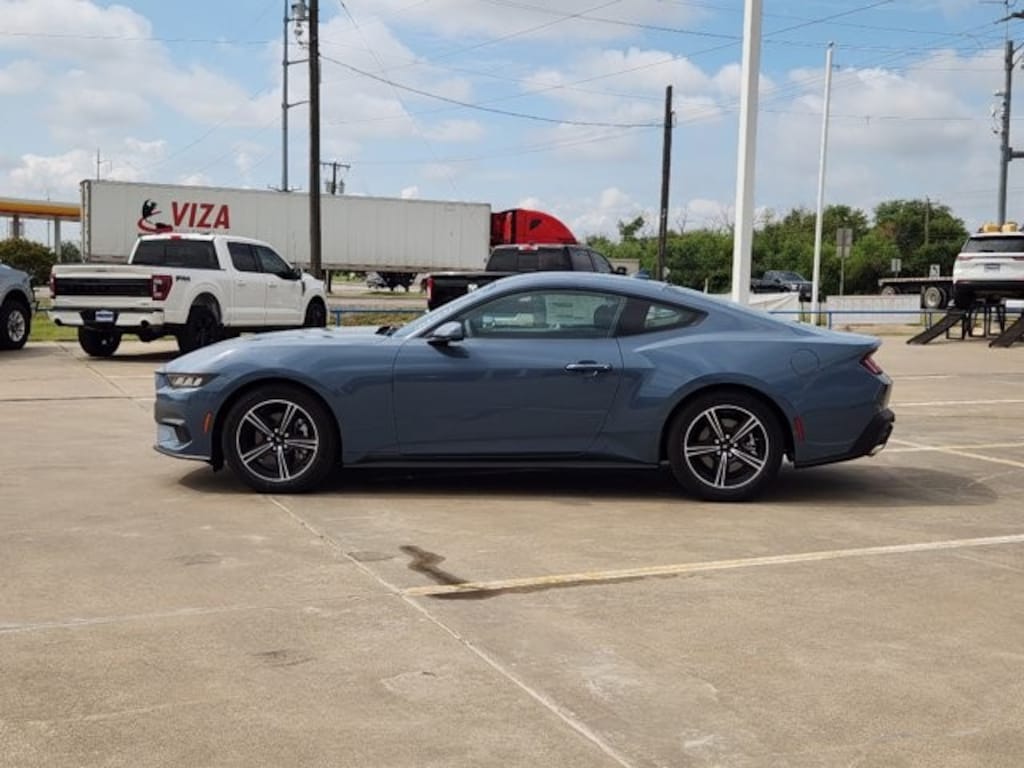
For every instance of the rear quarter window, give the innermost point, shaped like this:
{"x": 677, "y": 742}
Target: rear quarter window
{"x": 643, "y": 316}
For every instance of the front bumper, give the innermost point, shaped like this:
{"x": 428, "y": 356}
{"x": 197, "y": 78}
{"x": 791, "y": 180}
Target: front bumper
{"x": 184, "y": 422}
{"x": 92, "y": 317}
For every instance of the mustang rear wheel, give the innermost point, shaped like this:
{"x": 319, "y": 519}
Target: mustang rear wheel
{"x": 280, "y": 439}
{"x": 725, "y": 446}
{"x": 15, "y": 324}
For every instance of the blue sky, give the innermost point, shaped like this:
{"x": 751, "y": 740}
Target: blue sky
{"x": 553, "y": 104}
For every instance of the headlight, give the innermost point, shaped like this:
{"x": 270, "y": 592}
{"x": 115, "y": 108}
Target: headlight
{"x": 188, "y": 380}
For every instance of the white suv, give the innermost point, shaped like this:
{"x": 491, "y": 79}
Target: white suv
{"x": 990, "y": 266}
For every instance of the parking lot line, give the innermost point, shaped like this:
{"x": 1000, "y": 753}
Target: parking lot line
{"x": 950, "y": 403}
{"x": 916, "y": 448}
{"x": 589, "y": 577}
{"x": 953, "y": 451}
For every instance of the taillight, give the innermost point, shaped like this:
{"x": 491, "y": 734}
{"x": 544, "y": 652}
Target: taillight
{"x": 430, "y": 287}
{"x": 160, "y": 286}
{"x": 53, "y": 285}
{"x": 869, "y": 363}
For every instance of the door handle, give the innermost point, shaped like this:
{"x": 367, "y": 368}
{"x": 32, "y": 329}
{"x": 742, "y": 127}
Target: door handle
{"x": 588, "y": 366}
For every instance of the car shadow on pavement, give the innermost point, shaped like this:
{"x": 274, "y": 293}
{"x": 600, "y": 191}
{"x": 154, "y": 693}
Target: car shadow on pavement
{"x": 848, "y": 486}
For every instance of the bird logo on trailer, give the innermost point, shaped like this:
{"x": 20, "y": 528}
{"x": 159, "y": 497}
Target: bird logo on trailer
{"x": 149, "y": 210}
{"x": 185, "y": 216}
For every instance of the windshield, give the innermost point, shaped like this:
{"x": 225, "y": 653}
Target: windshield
{"x": 790, "y": 276}
{"x": 994, "y": 245}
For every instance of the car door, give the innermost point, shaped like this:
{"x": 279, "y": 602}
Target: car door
{"x": 249, "y": 287}
{"x": 534, "y": 376}
{"x": 284, "y": 290}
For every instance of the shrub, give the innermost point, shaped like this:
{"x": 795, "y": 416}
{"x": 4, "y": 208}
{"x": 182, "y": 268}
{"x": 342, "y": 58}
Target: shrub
{"x": 32, "y": 257}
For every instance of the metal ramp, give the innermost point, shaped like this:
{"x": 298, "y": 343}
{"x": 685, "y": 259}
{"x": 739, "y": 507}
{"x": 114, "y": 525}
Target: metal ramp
{"x": 951, "y": 319}
{"x": 1012, "y": 334}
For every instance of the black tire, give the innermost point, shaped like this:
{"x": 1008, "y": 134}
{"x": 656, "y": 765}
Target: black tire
{"x": 963, "y": 299}
{"x": 272, "y": 459}
{"x": 97, "y": 343}
{"x": 201, "y": 329}
{"x": 316, "y": 315}
{"x": 707, "y": 457}
{"x": 15, "y": 324}
{"x": 933, "y": 297}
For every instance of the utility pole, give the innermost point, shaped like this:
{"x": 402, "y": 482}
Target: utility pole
{"x": 1005, "y": 152}
{"x": 315, "y": 242}
{"x": 666, "y": 165}
{"x": 298, "y": 14}
{"x": 927, "y": 218}
{"x": 334, "y": 165}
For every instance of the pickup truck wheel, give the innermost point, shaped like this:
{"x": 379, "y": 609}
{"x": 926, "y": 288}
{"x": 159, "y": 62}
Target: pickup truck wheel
{"x": 316, "y": 315}
{"x": 280, "y": 439}
{"x": 725, "y": 446}
{"x": 201, "y": 329}
{"x": 15, "y": 324}
{"x": 96, "y": 343}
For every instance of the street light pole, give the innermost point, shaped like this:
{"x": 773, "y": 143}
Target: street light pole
{"x": 315, "y": 243}
{"x": 295, "y": 12}
{"x": 820, "y": 218}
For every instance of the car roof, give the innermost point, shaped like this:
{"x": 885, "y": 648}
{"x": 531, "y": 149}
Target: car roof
{"x": 206, "y": 237}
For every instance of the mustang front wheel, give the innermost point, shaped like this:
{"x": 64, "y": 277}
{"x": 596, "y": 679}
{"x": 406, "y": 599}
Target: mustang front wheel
{"x": 725, "y": 447}
{"x": 280, "y": 439}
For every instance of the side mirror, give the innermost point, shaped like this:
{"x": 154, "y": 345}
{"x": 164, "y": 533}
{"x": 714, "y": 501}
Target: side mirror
{"x": 446, "y": 333}
{"x": 620, "y": 270}
{"x": 293, "y": 274}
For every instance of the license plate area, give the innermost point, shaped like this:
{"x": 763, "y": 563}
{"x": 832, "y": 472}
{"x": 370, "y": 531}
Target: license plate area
{"x": 991, "y": 267}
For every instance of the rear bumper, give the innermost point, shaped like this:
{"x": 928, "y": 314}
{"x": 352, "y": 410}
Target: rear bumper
{"x": 1010, "y": 288}
{"x": 872, "y": 440}
{"x": 121, "y": 318}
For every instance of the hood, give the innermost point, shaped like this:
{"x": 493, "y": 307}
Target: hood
{"x": 270, "y": 346}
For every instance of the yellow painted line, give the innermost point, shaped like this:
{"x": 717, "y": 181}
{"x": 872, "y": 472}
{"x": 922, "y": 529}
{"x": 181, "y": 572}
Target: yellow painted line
{"x": 961, "y": 453}
{"x": 712, "y": 565}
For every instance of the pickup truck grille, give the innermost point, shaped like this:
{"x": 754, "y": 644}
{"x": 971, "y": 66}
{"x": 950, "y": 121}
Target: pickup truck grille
{"x": 97, "y": 286}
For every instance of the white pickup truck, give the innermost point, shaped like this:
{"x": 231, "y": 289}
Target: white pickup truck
{"x": 197, "y": 288}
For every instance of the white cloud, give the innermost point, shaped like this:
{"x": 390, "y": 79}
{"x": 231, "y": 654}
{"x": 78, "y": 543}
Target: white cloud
{"x": 560, "y": 20}
{"x": 21, "y": 76}
{"x": 410, "y": 193}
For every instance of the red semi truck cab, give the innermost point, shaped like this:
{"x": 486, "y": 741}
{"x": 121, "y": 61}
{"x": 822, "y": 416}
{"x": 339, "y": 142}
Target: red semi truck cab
{"x": 520, "y": 225}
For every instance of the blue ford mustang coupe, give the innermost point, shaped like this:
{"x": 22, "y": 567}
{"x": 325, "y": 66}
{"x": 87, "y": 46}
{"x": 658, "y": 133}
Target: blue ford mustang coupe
{"x": 539, "y": 370}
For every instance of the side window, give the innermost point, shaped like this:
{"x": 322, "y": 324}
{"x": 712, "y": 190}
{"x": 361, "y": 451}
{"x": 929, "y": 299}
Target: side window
{"x": 580, "y": 260}
{"x": 242, "y": 257}
{"x": 553, "y": 260}
{"x": 545, "y": 315}
{"x": 270, "y": 261}
{"x": 601, "y": 263}
{"x": 643, "y": 316}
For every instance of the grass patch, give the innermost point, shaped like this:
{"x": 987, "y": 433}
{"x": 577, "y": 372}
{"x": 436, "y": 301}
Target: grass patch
{"x": 377, "y": 318}
{"x": 43, "y": 329}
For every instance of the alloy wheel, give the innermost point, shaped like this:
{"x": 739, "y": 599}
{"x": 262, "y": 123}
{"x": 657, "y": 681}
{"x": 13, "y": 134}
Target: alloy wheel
{"x": 726, "y": 447}
{"x": 277, "y": 441}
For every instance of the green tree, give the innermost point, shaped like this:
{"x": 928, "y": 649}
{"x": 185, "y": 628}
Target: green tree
{"x": 924, "y": 232}
{"x": 30, "y": 256}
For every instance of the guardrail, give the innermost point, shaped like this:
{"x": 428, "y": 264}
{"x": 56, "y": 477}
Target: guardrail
{"x": 926, "y": 315}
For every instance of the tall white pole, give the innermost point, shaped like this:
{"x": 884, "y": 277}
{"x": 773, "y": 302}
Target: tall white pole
{"x": 819, "y": 220}
{"x": 743, "y": 235}
{"x": 284, "y": 102}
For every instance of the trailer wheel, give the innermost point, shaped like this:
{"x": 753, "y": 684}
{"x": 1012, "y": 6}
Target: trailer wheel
{"x": 97, "y": 343}
{"x": 889, "y": 291}
{"x": 933, "y": 297}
